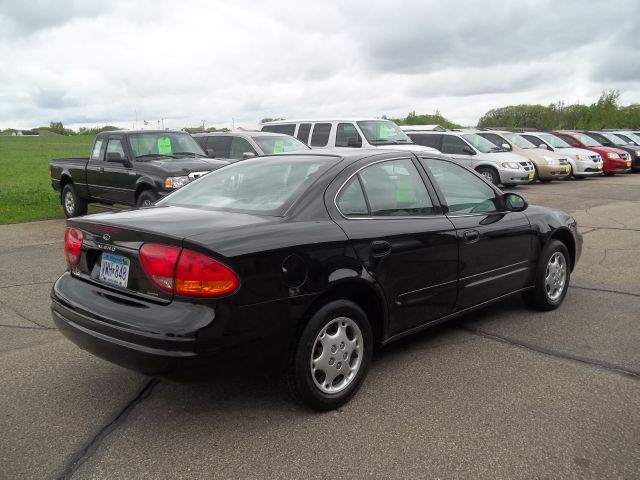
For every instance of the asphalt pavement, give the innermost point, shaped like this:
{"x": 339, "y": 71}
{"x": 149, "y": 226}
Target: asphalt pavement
{"x": 503, "y": 393}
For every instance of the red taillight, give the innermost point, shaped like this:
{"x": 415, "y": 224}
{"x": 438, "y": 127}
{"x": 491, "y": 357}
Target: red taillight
{"x": 203, "y": 276}
{"x": 73, "y": 245}
{"x": 159, "y": 261}
{"x": 184, "y": 272}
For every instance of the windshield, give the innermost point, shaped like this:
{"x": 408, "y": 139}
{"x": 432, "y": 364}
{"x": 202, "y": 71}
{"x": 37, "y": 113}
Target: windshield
{"x": 518, "y": 140}
{"x": 277, "y": 144}
{"x": 614, "y": 139}
{"x": 263, "y": 185}
{"x": 382, "y": 132}
{"x": 481, "y": 144}
{"x": 167, "y": 144}
{"x": 555, "y": 142}
{"x": 587, "y": 140}
{"x": 631, "y": 136}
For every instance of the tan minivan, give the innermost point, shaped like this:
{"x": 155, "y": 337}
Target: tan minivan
{"x": 549, "y": 165}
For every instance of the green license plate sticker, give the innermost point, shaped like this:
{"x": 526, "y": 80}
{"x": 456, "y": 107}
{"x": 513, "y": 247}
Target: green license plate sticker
{"x": 164, "y": 145}
{"x": 278, "y": 146}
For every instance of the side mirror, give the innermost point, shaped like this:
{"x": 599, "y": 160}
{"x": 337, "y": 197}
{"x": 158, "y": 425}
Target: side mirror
{"x": 247, "y": 155}
{"x": 514, "y": 202}
{"x": 468, "y": 150}
{"x": 354, "y": 142}
{"x": 116, "y": 157}
{"x": 544, "y": 146}
{"x": 506, "y": 146}
{"x": 210, "y": 153}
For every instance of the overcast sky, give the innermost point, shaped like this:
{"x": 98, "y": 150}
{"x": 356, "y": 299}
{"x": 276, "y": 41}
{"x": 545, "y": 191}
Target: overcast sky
{"x": 89, "y": 63}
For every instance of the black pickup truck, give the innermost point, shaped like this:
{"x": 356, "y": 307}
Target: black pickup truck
{"x": 131, "y": 167}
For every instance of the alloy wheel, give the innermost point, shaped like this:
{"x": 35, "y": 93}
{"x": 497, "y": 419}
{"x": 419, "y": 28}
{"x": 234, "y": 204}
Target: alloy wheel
{"x": 69, "y": 203}
{"x": 555, "y": 276}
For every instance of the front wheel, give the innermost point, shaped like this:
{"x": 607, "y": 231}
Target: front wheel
{"x": 331, "y": 358}
{"x": 489, "y": 174}
{"x": 72, "y": 204}
{"x": 146, "y": 198}
{"x": 552, "y": 278}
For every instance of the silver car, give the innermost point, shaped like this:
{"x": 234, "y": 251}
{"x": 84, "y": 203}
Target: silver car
{"x": 473, "y": 151}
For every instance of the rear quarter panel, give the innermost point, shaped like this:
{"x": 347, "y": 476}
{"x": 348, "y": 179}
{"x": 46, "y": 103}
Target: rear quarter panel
{"x": 70, "y": 169}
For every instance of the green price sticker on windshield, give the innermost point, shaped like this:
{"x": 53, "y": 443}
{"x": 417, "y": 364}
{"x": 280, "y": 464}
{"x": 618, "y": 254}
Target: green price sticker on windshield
{"x": 164, "y": 145}
{"x": 384, "y": 132}
{"x": 278, "y": 146}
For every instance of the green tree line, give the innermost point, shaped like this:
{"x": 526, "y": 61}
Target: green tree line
{"x": 605, "y": 113}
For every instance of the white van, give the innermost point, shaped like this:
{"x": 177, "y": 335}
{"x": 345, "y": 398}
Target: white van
{"x": 353, "y": 133}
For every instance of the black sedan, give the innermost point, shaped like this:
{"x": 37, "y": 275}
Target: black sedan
{"x": 306, "y": 263}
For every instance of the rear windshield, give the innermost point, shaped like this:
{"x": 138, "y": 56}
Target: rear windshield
{"x": 265, "y": 185}
{"x": 270, "y": 145}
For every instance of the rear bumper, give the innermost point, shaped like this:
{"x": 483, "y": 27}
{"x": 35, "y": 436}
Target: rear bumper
{"x": 177, "y": 339}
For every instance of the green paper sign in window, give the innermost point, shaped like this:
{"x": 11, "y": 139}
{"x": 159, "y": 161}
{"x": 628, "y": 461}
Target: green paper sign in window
{"x": 278, "y": 146}
{"x": 164, "y": 145}
{"x": 384, "y": 132}
{"x": 404, "y": 190}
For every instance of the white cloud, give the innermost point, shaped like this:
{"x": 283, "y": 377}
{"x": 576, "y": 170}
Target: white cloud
{"x": 89, "y": 63}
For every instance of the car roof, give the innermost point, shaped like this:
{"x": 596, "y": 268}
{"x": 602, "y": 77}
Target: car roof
{"x": 354, "y": 154}
{"x": 108, "y": 132}
{"x": 329, "y": 120}
{"x": 251, "y": 133}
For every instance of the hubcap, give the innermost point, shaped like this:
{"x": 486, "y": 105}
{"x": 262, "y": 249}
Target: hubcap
{"x": 487, "y": 175}
{"x": 69, "y": 204}
{"x": 337, "y": 355}
{"x": 146, "y": 203}
{"x": 555, "y": 276}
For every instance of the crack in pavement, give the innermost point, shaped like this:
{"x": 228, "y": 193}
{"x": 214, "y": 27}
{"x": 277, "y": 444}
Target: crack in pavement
{"x": 87, "y": 451}
{"x": 612, "y": 367}
{"x": 610, "y": 228}
{"x": 9, "y": 307}
{"x": 27, "y": 328}
{"x": 620, "y": 292}
{"x": 2, "y": 287}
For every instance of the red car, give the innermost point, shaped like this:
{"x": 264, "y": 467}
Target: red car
{"x": 614, "y": 159}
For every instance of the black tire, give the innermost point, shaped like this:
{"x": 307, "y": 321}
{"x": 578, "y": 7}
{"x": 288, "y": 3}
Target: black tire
{"x": 509, "y": 185}
{"x": 540, "y": 297}
{"x": 609, "y": 174}
{"x": 489, "y": 174}
{"x": 301, "y": 379}
{"x": 72, "y": 204}
{"x": 146, "y": 198}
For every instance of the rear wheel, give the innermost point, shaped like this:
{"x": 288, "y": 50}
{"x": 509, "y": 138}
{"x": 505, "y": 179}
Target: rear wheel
{"x": 146, "y": 198}
{"x": 552, "y": 277}
{"x": 489, "y": 174}
{"x": 72, "y": 204}
{"x": 332, "y": 356}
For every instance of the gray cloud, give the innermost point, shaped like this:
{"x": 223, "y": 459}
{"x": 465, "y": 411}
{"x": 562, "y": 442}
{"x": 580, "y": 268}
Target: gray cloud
{"x": 87, "y": 62}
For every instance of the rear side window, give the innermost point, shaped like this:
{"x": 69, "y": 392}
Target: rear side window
{"x": 453, "y": 145}
{"x": 303, "y": 132}
{"x": 97, "y": 147}
{"x": 348, "y": 136}
{"x": 351, "y": 200}
{"x": 395, "y": 188}
{"x": 286, "y": 128}
{"x": 426, "y": 140}
{"x": 320, "y": 136}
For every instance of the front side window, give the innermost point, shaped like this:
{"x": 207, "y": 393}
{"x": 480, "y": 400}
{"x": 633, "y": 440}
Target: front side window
{"x": 495, "y": 139}
{"x": 115, "y": 146}
{"x": 536, "y": 141}
{"x": 348, "y": 136}
{"x": 453, "y": 145}
{"x": 587, "y": 140}
{"x": 276, "y": 144}
{"x": 220, "y": 144}
{"x": 263, "y": 185}
{"x": 463, "y": 191}
{"x": 320, "y": 135}
{"x": 519, "y": 140}
{"x": 382, "y": 132}
{"x": 481, "y": 144}
{"x": 97, "y": 147}
{"x": 615, "y": 139}
{"x": 395, "y": 188}
{"x": 240, "y": 146}
{"x": 426, "y": 139}
{"x": 554, "y": 141}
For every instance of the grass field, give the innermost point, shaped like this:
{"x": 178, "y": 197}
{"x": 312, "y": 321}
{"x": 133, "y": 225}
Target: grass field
{"x": 25, "y": 189}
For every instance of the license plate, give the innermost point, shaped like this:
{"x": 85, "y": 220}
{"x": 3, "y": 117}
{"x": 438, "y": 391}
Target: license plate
{"x": 567, "y": 168}
{"x": 114, "y": 270}
{"x": 531, "y": 175}
{"x": 599, "y": 166}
